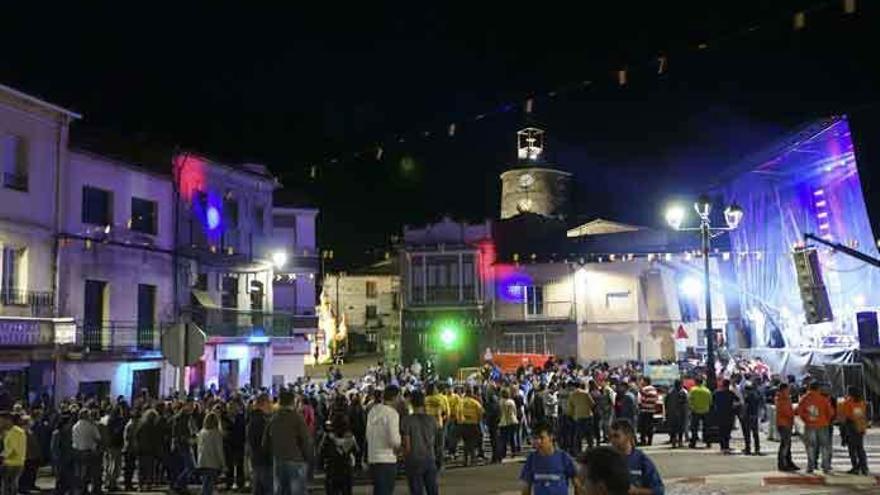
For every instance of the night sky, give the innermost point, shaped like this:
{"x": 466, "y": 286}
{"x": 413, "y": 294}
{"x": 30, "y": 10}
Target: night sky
{"x": 294, "y": 88}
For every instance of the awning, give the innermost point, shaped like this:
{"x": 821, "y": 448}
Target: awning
{"x": 204, "y": 299}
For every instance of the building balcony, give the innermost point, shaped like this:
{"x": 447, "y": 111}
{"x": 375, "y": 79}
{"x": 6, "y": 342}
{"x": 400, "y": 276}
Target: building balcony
{"x": 28, "y": 302}
{"x": 22, "y": 331}
{"x": 125, "y": 337}
{"x": 444, "y": 296}
{"x": 546, "y": 311}
{"x": 227, "y": 322}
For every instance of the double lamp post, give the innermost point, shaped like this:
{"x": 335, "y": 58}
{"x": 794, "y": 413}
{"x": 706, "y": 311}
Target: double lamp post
{"x": 733, "y": 214}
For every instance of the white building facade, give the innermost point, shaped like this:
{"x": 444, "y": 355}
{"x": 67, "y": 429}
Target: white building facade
{"x": 115, "y": 276}
{"x": 33, "y": 148}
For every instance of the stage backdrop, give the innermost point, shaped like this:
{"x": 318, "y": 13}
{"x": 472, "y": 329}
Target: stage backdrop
{"x": 807, "y": 183}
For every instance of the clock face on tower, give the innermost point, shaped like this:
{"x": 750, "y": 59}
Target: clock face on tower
{"x": 524, "y": 205}
{"x": 526, "y": 180}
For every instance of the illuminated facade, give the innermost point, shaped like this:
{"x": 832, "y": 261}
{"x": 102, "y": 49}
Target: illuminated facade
{"x": 442, "y": 288}
{"x": 229, "y": 261}
{"x": 33, "y": 148}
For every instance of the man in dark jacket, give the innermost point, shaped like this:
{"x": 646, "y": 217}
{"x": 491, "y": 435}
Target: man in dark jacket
{"x": 287, "y": 438}
{"x": 751, "y": 417}
{"x": 233, "y": 442}
{"x": 261, "y": 457}
{"x": 181, "y": 446}
{"x": 725, "y": 404}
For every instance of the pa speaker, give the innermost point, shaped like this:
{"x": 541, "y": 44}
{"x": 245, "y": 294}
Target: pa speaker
{"x": 814, "y": 297}
{"x": 869, "y": 332}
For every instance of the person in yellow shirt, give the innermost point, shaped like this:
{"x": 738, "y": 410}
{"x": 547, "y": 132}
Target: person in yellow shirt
{"x": 471, "y": 413}
{"x": 453, "y": 398}
{"x": 437, "y": 405}
{"x": 14, "y": 453}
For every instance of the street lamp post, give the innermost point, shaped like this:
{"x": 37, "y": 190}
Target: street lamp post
{"x": 732, "y": 216}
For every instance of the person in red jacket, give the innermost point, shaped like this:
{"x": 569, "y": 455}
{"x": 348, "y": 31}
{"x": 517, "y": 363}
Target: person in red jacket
{"x": 815, "y": 410}
{"x": 784, "y": 423}
{"x": 852, "y": 413}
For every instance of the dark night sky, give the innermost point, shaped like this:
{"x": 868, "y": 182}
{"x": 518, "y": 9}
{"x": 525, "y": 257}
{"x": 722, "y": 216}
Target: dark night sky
{"x": 292, "y": 87}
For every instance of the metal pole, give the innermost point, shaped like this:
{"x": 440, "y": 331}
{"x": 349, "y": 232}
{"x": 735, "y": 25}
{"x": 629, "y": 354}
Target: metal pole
{"x": 705, "y": 234}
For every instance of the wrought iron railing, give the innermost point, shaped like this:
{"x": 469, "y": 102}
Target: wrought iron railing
{"x": 224, "y": 322}
{"x": 41, "y": 303}
{"x": 119, "y": 336}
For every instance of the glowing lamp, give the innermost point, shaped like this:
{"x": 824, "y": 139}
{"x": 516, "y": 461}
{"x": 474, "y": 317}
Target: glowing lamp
{"x": 691, "y": 287}
{"x": 212, "y": 217}
{"x": 703, "y": 206}
{"x": 279, "y": 259}
{"x": 733, "y": 215}
{"x": 448, "y": 337}
{"x": 675, "y": 216}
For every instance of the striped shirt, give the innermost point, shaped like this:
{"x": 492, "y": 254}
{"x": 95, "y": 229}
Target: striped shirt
{"x": 648, "y": 399}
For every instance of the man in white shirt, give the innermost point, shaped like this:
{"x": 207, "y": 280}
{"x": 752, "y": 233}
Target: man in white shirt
{"x": 383, "y": 442}
{"x": 86, "y": 442}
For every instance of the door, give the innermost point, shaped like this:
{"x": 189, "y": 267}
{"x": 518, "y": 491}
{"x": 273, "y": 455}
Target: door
{"x": 229, "y": 375}
{"x": 145, "y": 380}
{"x": 94, "y": 390}
{"x": 257, "y": 295}
{"x": 256, "y": 373}
{"x": 93, "y": 314}
{"x": 197, "y": 376}
{"x": 146, "y": 318}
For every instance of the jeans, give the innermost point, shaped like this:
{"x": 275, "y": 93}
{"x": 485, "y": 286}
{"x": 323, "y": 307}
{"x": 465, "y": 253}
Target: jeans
{"x": 112, "y": 466}
{"x": 439, "y": 447}
{"x": 783, "y": 457}
{"x": 129, "y": 466}
{"x": 492, "y": 427}
{"x": 89, "y": 471}
{"x": 855, "y": 443}
{"x": 383, "y": 475}
{"x": 146, "y": 471}
{"x": 698, "y": 422}
{"x": 9, "y": 479}
{"x": 508, "y": 440}
{"x": 583, "y": 428}
{"x": 422, "y": 477}
{"x": 818, "y": 440}
{"x": 290, "y": 477}
{"x": 750, "y": 429}
{"x": 209, "y": 479}
{"x": 235, "y": 467}
{"x": 473, "y": 441}
{"x": 725, "y": 426}
{"x": 261, "y": 480}
{"x": 646, "y": 427}
{"x": 187, "y": 465}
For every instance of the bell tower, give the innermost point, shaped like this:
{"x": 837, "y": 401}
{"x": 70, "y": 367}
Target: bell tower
{"x": 532, "y": 185}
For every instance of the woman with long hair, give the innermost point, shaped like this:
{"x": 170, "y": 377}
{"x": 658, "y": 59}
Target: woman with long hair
{"x": 211, "y": 459}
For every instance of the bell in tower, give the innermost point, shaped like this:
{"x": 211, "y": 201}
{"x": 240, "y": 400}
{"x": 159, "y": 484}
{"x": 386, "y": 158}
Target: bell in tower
{"x": 530, "y": 144}
{"x": 533, "y": 186}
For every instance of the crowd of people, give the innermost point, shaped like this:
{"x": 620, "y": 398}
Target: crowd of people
{"x": 409, "y": 421}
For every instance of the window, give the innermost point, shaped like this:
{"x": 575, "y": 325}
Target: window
{"x": 534, "y": 300}
{"x": 230, "y": 213}
{"x": 371, "y": 289}
{"x": 10, "y": 276}
{"x": 143, "y": 216}
{"x": 14, "y": 161}
{"x": 372, "y": 313}
{"x": 259, "y": 220}
{"x": 96, "y": 206}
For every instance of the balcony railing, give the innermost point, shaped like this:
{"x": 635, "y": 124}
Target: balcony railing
{"x": 439, "y": 296}
{"x": 39, "y": 303}
{"x": 223, "y": 322}
{"x": 18, "y": 331}
{"x": 548, "y": 310}
{"x": 119, "y": 336}
{"x": 15, "y": 181}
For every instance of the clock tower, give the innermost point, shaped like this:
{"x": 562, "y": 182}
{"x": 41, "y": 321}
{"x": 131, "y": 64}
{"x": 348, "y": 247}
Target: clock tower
{"x": 533, "y": 185}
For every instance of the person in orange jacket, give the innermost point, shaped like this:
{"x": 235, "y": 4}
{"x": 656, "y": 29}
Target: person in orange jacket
{"x": 817, "y": 413}
{"x": 852, "y": 412}
{"x": 784, "y": 423}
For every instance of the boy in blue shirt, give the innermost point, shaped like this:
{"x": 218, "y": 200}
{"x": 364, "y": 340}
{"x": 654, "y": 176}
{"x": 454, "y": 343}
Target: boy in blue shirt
{"x": 643, "y": 475}
{"x": 547, "y": 470}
